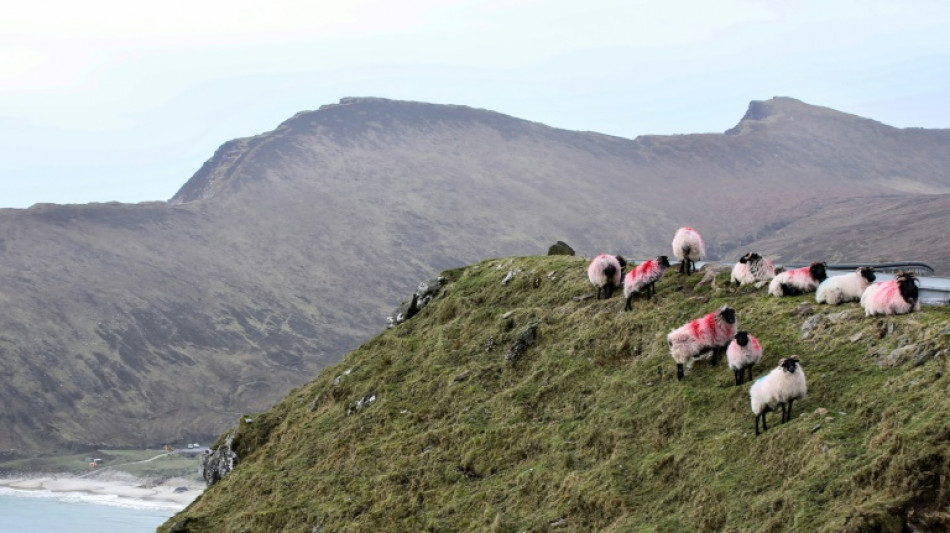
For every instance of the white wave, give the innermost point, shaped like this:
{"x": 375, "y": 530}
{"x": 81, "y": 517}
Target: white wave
{"x": 95, "y": 499}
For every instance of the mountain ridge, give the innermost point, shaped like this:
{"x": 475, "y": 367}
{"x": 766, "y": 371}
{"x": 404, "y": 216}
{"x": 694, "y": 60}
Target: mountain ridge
{"x": 287, "y": 249}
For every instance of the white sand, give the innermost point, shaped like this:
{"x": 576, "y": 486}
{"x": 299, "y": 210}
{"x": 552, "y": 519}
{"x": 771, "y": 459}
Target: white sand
{"x": 113, "y": 484}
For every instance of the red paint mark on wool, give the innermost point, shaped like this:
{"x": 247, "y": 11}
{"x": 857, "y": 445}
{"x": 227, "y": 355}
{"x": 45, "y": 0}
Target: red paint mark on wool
{"x": 695, "y": 327}
{"x": 799, "y": 274}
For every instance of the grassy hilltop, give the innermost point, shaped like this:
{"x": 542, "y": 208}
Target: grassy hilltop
{"x": 588, "y": 429}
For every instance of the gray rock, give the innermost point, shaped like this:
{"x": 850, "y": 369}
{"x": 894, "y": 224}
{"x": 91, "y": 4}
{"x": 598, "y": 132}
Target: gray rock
{"x": 526, "y": 339}
{"x": 810, "y": 325}
{"x": 560, "y": 248}
{"x": 217, "y": 463}
{"x": 898, "y": 356}
{"x": 804, "y": 309}
{"x": 361, "y": 404}
{"x": 923, "y": 356}
{"x": 425, "y": 293}
{"x": 836, "y": 318}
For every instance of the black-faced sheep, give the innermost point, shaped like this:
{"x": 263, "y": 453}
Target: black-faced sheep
{"x": 779, "y": 388}
{"x": 606, "y": 272}
{"x": 711, "y": 332}
{"x": 751, "y": 268}
{"x": 688, "y": 247}
{"x": 845, "y": 288}
{"x": 743, "y": 352}
{"x": 644, "y": 276}
{"x": 895, "y": 297}
{"x": 798, "y": 280}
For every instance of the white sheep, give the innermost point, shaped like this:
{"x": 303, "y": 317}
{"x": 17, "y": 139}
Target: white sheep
{"x": 798, "y": 281}
{"x": 606, "y": 272}
{"x": 845, "y": 288}
{"x": 743, "y": 352}
{"x": 752, "y": 267}
{"x": 779, "y": 388}
{"x": 644, "y": 276}
{"x": 688, "y": 247}
{"x": 711, "y": 332}
{"x": 895, "y": 297}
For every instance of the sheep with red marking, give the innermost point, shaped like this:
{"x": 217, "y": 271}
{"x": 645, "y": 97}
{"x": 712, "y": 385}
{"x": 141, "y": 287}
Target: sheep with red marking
{"x": 849, "y": 287}
{"x": 798, "y": 280}
{"x": 743, "y": 353}
{"x": 752, "y": 268}
{"x": 894, "y": 297}
{"x": 644, "y": 276}
{"x": 779, "y": 388}
{"x": 711, "y": 332}
{"x": 688, "y": 247}
{"x": 606, "y": 272}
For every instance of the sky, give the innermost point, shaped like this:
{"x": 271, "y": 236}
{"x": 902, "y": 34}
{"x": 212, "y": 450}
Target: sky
{"x": 111, "y": 100}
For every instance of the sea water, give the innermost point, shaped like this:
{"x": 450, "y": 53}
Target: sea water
{"x": 41, "y": 511}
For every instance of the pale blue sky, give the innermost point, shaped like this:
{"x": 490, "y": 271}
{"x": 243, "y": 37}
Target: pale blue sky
{"x": 111, "y": 100}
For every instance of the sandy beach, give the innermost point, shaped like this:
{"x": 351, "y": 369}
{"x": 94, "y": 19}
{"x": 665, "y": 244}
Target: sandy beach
{"x": 116, "y": 486}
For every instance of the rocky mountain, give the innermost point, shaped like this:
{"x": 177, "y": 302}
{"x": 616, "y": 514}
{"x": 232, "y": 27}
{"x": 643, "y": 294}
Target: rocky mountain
{"x": 133, "y": 324}
{"x": 522, "y": 407}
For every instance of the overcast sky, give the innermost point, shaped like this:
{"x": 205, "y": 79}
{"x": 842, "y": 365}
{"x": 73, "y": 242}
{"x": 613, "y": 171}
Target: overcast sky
{"x": 112, "y": 100}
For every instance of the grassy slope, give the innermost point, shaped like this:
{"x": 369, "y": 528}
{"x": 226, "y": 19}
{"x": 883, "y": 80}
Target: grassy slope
{"x": 590, "y": 430}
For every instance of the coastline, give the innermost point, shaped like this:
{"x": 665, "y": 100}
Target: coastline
{"x": 110, "y": 488}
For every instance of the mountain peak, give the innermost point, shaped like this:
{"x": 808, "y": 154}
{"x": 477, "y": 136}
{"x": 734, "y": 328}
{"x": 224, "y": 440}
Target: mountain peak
{"x": 784, "y": 111}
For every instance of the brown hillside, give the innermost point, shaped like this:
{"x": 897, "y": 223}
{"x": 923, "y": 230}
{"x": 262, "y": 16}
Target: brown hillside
{"x": 132, "y": 324}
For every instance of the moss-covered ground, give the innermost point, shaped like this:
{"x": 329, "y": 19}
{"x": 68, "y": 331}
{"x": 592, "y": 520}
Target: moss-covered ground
{"x": 589, "y": 430}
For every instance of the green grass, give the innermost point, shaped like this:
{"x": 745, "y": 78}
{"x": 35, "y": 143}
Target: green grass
{"x": 589, "y": 430}
{"x": 129, "y": 461}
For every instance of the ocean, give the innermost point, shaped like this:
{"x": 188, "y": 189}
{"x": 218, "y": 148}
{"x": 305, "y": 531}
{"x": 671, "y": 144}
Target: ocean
{"x": 43, "y": 511}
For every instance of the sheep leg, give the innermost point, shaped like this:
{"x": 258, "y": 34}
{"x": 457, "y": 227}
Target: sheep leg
{"x": 683, "y": 266}
{"x": 679, "y": 372}
{"x": 715, "y": 357}
{"x": 629, "y": 307}
{"x": 738, "y": 376}
{"x": 750, "y": 372}
{"x": 788, "y": 417}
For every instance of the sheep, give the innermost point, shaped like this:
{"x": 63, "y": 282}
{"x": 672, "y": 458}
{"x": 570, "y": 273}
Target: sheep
{"x": 752, "y": 267}
{"x": 743, "y": 352}
{"x": 711, "y": 332}
{"x": 895, "y": 297}
{"x": 779, "y": 388}
{"x": 846, "y": 288}
{"x": 605, "y": 272}
{"x": 798, "y": 281}
{"x": 644, "y": 276}
{"x": 688, "y": 247}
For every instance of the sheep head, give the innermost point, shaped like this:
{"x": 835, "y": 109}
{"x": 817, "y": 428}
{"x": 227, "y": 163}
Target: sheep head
{"x": 728, "y": 314}
{"x": 817, "y": 271}
{"x": 867, "y": 273}
{"x": 742, "y": 338}
{"x": 789, "y": 364}
{"x": 907, "y": 282}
